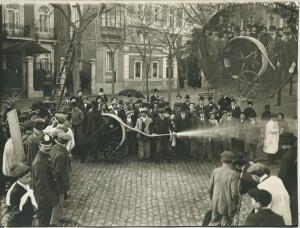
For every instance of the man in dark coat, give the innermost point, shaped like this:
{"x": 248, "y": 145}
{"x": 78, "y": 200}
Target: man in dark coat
{"x": 288, "y": 174}
{"x": 101, "y": 96}
{"x": 177, "y": 104}
{"x": 236, "y": 110}
{"x": 200, "y": 106}
{"x": 249, "y": 111}
{"x": 162, "y": 126}
{"x": 62, "y": 169}
{"x": 44, "y": 182}
{"x": 86, "y": 106}
{"x": 183, "y": 124}
{"x": 266, "y": 115}
{"x": 263, "y": 216}
{"x": 210, "y": 107}
{"x": 93, "y": 131}
{"x": 79, "y": 98}
{"x": 154, "y": 97}
{"x": 224, "y": 103}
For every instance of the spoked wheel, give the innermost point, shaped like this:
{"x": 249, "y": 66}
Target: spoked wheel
{"x": 113, "y": 152}
{"x": 249, "y": 84}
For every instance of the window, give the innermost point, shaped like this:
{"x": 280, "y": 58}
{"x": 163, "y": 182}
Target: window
{"x": 155, "y": 70}
{"x": 44, "y": 19}
{"x": 13, "y": 11}
{"x": 137, "y": 69}
{"x": 109, "y": 61}
{"x": 251, "y": 20}
{"x": 156, "y": 14}
{"x": 167, "y": 75}
{"x": 171, "y": 17}
{"x": 179, "y": 17}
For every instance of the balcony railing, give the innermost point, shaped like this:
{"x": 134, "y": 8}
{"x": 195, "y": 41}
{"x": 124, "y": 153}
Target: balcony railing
{"x": 27, "y": 31}
{"x": 112, "y": 32}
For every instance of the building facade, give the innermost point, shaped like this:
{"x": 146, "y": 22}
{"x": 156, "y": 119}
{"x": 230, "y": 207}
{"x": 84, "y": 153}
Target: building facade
{"x": 114, "y": 42}
{"x": 32, "y": 28}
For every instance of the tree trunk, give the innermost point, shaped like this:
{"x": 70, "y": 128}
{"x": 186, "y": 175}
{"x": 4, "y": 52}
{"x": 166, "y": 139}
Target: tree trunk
{"x": 113, "y": 76}
{"x": 169, "y": 80}
{"x": 147, "y": 80}
{"x": 76, "y": 64}
{"x": 178, "y": 81}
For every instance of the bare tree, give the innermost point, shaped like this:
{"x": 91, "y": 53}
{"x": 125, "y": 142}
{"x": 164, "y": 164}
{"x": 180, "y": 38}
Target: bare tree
{"x": 141, "y": 33}
{"x": 86, "y": 14}
{"x": 170, "y": 36}
{"x": 113, "y": 45}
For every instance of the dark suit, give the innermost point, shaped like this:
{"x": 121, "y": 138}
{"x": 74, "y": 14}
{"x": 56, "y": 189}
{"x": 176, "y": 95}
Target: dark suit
{"x": 224, "y": 103}
{"x": 162, "y": 126}
{"x": 91, "y": 123}
{"x": 153, "y": 98}
{"x": 236, "y": 111}
{"x": 85, "y": 108}
{"x": 249, "y": 112}
{"x": 264, "y": 217}
{"x": 183, "y": 143}
{"x": 44, "y": 187}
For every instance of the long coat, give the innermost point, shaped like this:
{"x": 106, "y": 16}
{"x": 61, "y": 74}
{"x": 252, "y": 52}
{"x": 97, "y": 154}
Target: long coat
{"x": 77, "y": 117}
{"x": 280, "y": 203}
{"x": 264, "y": 217}
{"x": 143, "y": 141}
{"x": 271, "y": 137}
{"x": 224, "y": 193}
{"x": 62, "y": 168}
{"x": 43, "y": 181}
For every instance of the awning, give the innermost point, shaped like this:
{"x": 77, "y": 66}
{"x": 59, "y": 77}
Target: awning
{"x": 29, "y": 47}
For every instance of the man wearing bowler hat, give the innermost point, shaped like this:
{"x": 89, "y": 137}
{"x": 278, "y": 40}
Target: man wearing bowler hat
{"x": 154, "y": 97}
{"x": 224, "y": 192}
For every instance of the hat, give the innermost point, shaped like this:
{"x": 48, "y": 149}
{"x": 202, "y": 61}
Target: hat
{"x": 144, "y": 109}
{"x": 80, "y": 90}
{"x": 210, "y": 98}
{"x": 101, "y": 90}
{"x": 274, "y": 115}
{"x": 28, "y": 124}
{"x": 227, "y": 156}
{"x": 63, "y": 128}
{"x": 128, "y": 112}
{"x": 287, "y": 31}
{"x": 60, "y": 117}
{"x": 262, "y": 196}
{"x": 64, "y": 110}
{"x": 114, "y": 102}
{"x": 161, "y": 110}
{"x": 258, "y": 169}
{"x": 187, "y": 97}
{"x": 201, "y": 111}
{"x": 178, "y": 96}
{"x": 201, "y": 98}
{"x": 250, "y": 102}
{"x": 73, "y": 100}
{"x": 155, "y": 90}
{"x": 272, "y": 28}
{"x": 45, "y": 140}
{"x": 63, "y": 137}
{"x": 19, "y": 169}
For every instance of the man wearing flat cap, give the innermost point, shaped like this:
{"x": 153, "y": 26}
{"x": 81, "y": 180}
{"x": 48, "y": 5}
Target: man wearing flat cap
{"x": 44, "y": 181}
{"x": 62, "y": 168}
{"x": 280, "y": 203}
{"x": 224, "y": 192}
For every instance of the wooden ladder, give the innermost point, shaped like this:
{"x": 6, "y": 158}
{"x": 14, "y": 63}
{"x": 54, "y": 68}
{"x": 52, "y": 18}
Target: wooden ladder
{"x": 61, "y": 80}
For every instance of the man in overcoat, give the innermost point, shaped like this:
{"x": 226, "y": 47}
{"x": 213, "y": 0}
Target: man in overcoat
{"x": 44, "y": 182}
{"x": 224, "y": 192}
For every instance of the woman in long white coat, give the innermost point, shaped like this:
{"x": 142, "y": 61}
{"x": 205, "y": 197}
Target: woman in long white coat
{"x": 271, "y": 137}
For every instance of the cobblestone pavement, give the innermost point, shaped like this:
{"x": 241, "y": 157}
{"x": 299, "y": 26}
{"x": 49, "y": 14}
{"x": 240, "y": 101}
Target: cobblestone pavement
{"x": 134, "y": 193}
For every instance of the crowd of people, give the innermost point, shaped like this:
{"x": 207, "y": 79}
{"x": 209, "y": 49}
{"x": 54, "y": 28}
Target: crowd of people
{"x": 38, "y": 180}
{"x": 280, "y": 45}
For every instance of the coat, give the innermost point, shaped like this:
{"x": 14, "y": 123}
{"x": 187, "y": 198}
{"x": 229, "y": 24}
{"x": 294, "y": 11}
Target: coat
{"x": 280, "y": 203}
{"x": 31, "y": 146}
{"x": 43, "y": 181}
{"x": 92, "y": 121}
{"x": 264, "y": 217}
{"x": 236, "y": 111}
{"x": 224, "y": 190}
{"x": 85, "y": 108}
{"x": 77, "y": 117}
{"x": 62, "y": 168}
{"x": 271, "y": 137}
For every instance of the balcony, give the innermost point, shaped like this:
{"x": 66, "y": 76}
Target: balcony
{"x": 27, "y": 31}
{"x": 112, "y": 33}
{"x": 17, "y": 30}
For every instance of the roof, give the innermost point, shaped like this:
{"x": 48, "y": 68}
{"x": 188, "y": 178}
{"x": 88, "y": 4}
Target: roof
{"x": 30, "y": 47}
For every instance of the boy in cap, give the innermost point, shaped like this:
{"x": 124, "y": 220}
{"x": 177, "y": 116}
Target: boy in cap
{"x": 262, "y": 216}
{"x": 280, "y": 203}
{"x": 224, "y": 192}
{"x": 62, "y": 168}
{"x": 20, "y": 200}
{"x": 44, "y": 182}
{"x": 143, "y": 125}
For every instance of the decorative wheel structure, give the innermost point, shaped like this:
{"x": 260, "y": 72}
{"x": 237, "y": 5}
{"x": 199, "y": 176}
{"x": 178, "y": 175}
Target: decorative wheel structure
{"x": 245, "y": 60}
{"x": 113, "y": 139}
